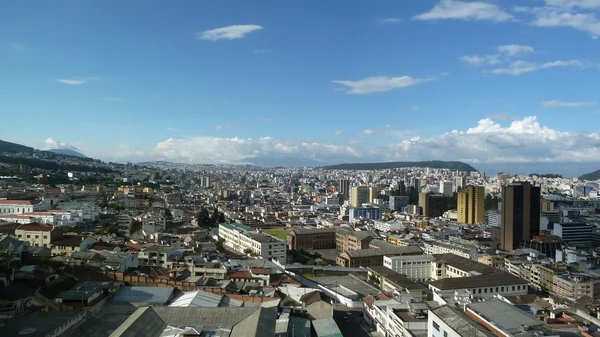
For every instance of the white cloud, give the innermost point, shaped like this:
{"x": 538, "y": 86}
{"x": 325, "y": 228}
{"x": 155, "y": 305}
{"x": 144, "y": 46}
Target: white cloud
{"x": 73, "y": 81}
{"x": 50, "y": 144}
{"x": 368, "y": 132}
{"x": 223, "y": 127}
{"x": 462, "y": 10}
{"x": 488, "y": 141}
{"x": 560, "y": 104}
{"x": 515, "y": 49}
{"x": 522, "y": 67}
{"x": 390, "y": 20}
{"x": 586, "y": 4}
{"x": 114, "y": 99}
{"x": 338, "y": 132}
{"x": 415, "y": 108}
{"x": 228, "y": 33}
{"x": 379, "y": 84}
{"x": 505, "y": 53}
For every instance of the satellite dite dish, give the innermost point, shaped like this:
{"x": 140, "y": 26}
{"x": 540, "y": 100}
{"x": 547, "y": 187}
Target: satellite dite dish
{"x": 70, "y": 174}
{"x": 27, "y": 331}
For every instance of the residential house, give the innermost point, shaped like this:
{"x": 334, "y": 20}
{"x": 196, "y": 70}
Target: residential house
{"x": 38, "y": 235}
{"x": 69, "y": 244}
{"x": 318, "y": 304}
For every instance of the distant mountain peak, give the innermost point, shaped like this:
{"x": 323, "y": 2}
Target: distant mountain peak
{"x": 67, "y": 152}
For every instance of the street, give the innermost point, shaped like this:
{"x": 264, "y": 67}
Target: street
{"x": 352, "y": 327}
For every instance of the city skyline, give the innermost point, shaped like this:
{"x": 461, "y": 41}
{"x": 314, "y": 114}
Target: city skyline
{"x": 306, "y": 83}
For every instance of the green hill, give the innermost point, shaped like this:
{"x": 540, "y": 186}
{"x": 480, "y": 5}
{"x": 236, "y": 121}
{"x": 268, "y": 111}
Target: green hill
{"x": 7, "y": 147}
{"x": 591, "y": 175}
{"x": 452, "y": 165}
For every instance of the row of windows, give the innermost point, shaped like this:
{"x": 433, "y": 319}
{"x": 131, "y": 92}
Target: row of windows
{"x": 499, "y": 289}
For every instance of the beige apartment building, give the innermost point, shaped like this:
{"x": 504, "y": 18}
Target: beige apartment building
{"x": 38, "y": 235}
{"x": 348, "y": 239}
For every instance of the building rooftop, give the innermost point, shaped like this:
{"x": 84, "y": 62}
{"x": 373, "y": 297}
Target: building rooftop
{"x": 19, "y": 202}
{"x": 150, "y": 295}
{"x": 237, "y": 226}
{"x": 304, "y": 231}
{"x": 35, "y": 227}
{"x": 197, "y": 299}
{"x": 395, "y": 250}
{"x": 399, "y": 279}
{"x": 460, "y": 323}
{"x": 326, "y": 327}
{"x": 357, "y": 287}
{"x": 505, "y": 316}
{"x": 504, "y": 279}
{"x": 466, "y": 265}
{"x": 69, "y": 241}
{"x": 36, "y": 324}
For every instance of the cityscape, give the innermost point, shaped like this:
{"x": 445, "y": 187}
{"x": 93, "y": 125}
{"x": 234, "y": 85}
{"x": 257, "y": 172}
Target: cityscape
{"x": 303, "y": 168}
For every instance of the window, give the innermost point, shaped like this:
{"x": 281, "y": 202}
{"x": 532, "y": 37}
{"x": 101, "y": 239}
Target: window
{"x": 28, "y": 236}
{"x": 513, "y": 288}
{"x": 501, "y": 288}
{"x": 445, "y": 333}
{"x": 436, "y": 326}
{"x": 485, "y": 290}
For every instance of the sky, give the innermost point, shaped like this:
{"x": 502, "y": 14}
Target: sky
{"x": 304, "y": 82}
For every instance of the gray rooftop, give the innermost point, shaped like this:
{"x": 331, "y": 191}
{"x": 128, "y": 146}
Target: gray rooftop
{"x": 460, "y": 323}
{"x": 467, "y": 265}
{"x": 351, "y": 282}
{"x": 36, "y": 324}
{"x": 326, "y": 327}
{"x": 143, "y": 322}
{"x": 396, "y": 250}
{"x": 505, "y": 316}
{"x": 504, "y": 279}
{"x": 149, "y": 295}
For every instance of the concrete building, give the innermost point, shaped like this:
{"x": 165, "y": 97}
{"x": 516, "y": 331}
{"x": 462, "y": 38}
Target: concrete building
{"x": 448, "y": 321}
{"x": 344, "y": 188}
{"x": 389, "y": 280}
{"x": 38, "y": 235}
{"x": 318, "y": 305}
{"x": 483, "y": 286}
{"x": 470, "y": 205}
{"x": 392, "y": 317}
{"x": 505, "y": 320}
{"x": 359, "y": 195}
{"x": 157, "y": 256}
{"x": 432, "y": 205}
{"x": 398, "y": 202}
{"x": 373, "y": 257}
{"x": 460, "y": 183}
{"x": 70, "y": 244}
{"x": 574, "y": 234}
{"x": 20, "y": 206}
{"x": 242, "y": 238}
{"x": 367, "y": 212}
{"x": 315, "y": 238}
{"x": 417, "y": 268}
{"x": 520, "y": 214}
{"x": 446, "y": 188}
{"x": 348, "y": 239}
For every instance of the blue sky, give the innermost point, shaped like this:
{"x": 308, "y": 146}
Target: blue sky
{"x": 304, "y": 81}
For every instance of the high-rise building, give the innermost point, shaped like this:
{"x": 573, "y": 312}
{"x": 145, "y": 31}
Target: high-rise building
{"x": 370, "y": 212}
{"x": 520, "y": 214}
{"x": 359, "y": 195}
{"x": 446, "y": 188}
{"x": 460, "y": 183}
{"x": 373, "y": 192}
{"x": 397, "y": 202}
{"x": 470, "y": 205}
{"x": 432, "y": 205}
{"x": 345, "y": 188}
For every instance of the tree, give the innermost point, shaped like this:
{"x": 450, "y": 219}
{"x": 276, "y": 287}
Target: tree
{"x": 203, "y": 218}
{"x": 220, "y": 244}
{"x": 134, "y": 226}
{"x": 248, "y": 251}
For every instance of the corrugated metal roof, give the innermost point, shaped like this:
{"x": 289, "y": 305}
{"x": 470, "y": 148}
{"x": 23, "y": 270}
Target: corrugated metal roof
{"x": 326, "y": 327}
{"x": 197, "y": 299}
{"x": 155, "y": 295}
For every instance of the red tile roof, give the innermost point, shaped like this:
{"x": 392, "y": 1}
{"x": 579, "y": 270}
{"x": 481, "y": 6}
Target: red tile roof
{"x": 19, "y": 202}
{"x": 36, "y": 227}
{"x": 261, "y": 271}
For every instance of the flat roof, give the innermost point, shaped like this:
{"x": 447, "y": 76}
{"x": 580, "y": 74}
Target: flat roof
{"x": 395, "y": 250}
{"x": 155, "y": 295}
{"x": 326, "y": 327}
{"x": 399, "y": 279}
{"x": 466, "y": 265}
{"x": 478, "y": 281}
{"x": 505, "y": 316}
{"x": 460, "y": 322}
{"x": 36, "y": 324}
{"x": 355, "y": 284}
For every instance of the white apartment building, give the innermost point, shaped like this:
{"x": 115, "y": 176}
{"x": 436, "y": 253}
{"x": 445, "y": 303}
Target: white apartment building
{"x": 418, "y": 268}
{"x": 397, "y": 317}
{"x": 242, "y": 238}
{"x": 435, "y": 247}
{"x": 387, "y": 226}
{"x": 447, "y": 321}
{"x": 446, "y": 188}
{"x": 20, "y": 206}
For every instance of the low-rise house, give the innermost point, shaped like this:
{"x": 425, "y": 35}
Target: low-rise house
{"x": 318, "y": 304}
{"x": 155, "y": 256}
{"x": 69, "y": 244}
{"x": 482, "y": 286}
{"x": 38, "y": 235}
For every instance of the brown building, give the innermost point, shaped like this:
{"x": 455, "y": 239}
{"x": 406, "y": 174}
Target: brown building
{"x": 520, "y": 214}
{"x": 546, "y": 206}
{"x": 470, "y": 205}
{"x": 348, "y": 239}
{"x": 317, "y": 238}
{"x": 432, "y": 205}
{"x": 373, "y": 257}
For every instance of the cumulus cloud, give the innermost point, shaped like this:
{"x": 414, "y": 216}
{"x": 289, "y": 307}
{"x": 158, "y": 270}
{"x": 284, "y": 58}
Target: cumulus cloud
{"x": 462, "y": 10}
{"x": 378, "y": 84}
{"x": 488, "y": 141}
{"x": 50, "y": 144}
{"x": 560, "y": 104}
{"x": 228, "y": 33}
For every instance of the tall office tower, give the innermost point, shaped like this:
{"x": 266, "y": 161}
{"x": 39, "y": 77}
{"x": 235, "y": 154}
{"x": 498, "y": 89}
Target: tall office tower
{"x": 345, "y": 188}
{"x": 416, "y": 183}
{"x": 520, "y": 213}
{"x": 432, "y": 205}
{"x": 446, "y": 188}
{"x": 470, "y": 205}
{"x": 397, "y": 203}
{"x": 373, "y": 192}
{"x": 359, "y": 195}
{"x": 402, "y": 187}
